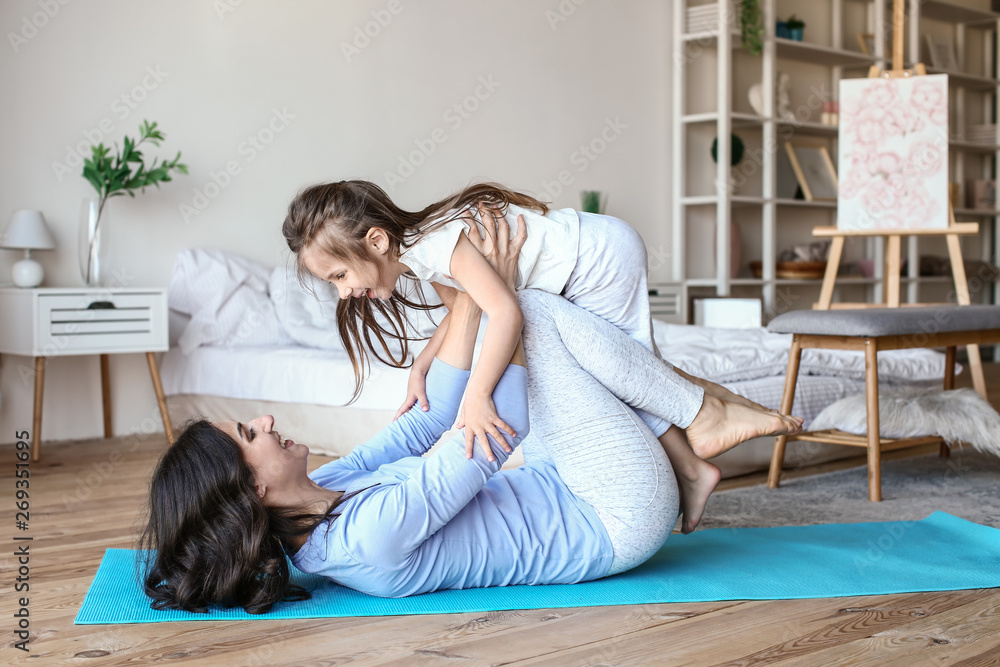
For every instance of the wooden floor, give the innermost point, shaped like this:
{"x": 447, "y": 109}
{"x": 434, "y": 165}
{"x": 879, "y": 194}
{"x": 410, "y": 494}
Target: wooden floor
{"x": 87, "y": 497}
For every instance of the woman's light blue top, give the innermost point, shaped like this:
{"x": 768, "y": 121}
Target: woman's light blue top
{"x": 445, "y": 521}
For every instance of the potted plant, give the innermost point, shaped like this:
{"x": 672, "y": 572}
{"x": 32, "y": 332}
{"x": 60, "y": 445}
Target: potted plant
{"x": 113, "y": 176}
{"x": 736, "y": 150}
{"x": 751, "y": 26}
{"x": 593, "y": 201}
{"x": 795, "y": 27}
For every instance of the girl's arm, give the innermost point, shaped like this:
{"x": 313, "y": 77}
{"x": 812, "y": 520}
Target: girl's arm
{"x": 416, "y": 391}
{"x": 499, "y": 302}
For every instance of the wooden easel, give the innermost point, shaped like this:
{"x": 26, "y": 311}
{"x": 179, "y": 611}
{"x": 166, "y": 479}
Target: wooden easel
{"x": 893, "y": 249}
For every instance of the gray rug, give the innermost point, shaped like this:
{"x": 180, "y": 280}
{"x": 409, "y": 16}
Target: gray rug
{"x": 966, "y": 485}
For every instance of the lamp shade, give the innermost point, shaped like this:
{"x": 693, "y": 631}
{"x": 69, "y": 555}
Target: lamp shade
{"x": 27, "y": 230}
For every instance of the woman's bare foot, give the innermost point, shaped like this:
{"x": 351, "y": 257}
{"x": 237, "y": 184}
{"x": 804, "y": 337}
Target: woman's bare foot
{"x": 721, "y": 425}
{"x": 696, "y": 484}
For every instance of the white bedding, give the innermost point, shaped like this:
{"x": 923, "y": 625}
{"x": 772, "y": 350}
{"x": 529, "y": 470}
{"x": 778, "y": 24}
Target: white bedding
{"x": 246, "y": 318}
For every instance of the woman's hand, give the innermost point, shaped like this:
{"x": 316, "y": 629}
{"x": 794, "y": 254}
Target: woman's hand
{"x": 479, "y": 418}
{"x": 499, "y": 249}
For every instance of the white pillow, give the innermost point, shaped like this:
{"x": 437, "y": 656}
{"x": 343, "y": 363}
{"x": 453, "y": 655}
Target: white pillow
{"x": 308, "y": 310}
{"x": 226, "y": 297}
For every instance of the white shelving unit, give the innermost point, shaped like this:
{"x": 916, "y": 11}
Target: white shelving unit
{"x": 834, "y": 63}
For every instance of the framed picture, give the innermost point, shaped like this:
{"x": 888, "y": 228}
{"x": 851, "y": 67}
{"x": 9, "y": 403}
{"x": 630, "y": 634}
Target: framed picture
{"x": 941, "y": 50}
{"x": 814, "y": 171}
{"x": 866, "y": 41}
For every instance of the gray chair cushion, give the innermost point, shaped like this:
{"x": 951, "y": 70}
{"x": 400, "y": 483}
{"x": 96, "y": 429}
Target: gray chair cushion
{"x": 887, "y": 321}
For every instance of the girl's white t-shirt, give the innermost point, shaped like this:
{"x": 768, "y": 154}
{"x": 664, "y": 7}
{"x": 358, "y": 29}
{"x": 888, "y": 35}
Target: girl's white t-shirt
{"x": 547, "y": 258}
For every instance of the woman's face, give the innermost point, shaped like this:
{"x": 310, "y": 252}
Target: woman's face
{"x": 278, "y": 463}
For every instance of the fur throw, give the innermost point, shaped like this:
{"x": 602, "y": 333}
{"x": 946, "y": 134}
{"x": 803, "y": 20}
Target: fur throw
{"x": 958, "y": 416}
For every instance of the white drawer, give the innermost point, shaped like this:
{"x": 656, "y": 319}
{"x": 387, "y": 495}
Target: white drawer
{"x": 101, "y": 322}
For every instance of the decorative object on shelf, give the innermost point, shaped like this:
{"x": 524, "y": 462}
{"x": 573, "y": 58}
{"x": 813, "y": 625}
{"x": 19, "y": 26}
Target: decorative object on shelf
{"x": 796, "y": 26}
{"x": 803, "y": 261}
{"x": 787, "y": 185}
{"x": 941, "y": 50}
{"x": 791, "y": 270}
{"x": 894, "y": 153}
{"x": 953, "y": 193}
{"x": 756, "y": 98}
{"x": 982, "y": 194}
{"x": 813, "y": 251}
{"x": 866, "y": 42}
{"x": 752, "y": 26}
{"x": 703, "y": 18}
{"x": 736, "y": 150}
{"x": 781, "y": 30}
{"x": 831, "y": 113}
{"x": 785, "y": 112}
{"x": 27, "y": 231}
{"x": 814, "y": 171}
{"x": 593, "y": 201}
{"x": 113, "y": 176}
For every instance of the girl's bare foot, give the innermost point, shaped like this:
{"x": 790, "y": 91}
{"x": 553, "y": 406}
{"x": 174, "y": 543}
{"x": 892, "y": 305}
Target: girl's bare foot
{"x": 696, "y": 485}
{"x": 721, "y": 425}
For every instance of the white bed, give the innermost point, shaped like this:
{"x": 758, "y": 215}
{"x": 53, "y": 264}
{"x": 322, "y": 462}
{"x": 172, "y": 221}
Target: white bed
{"x": 236, "y": 325}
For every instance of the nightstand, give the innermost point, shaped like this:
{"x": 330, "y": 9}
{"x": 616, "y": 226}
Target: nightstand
{"x": 50, "y": 322}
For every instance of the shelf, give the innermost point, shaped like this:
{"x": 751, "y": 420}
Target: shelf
{"x": 974, "y": 146}
{"x": 979, "y": 213}
{"x": 821, "y": 55}
{"x": 791, "y": 49}
{"x": 832, "y": 205}
{"x": 749, "y": 120}
{"x": 711, "y": 117}
{"x": 712, "y": 200}
{"x": 973, "y": 81}
{"x": 938, "y": 10}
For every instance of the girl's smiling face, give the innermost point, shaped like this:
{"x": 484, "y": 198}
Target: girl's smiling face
{"x": 373, "y": 277}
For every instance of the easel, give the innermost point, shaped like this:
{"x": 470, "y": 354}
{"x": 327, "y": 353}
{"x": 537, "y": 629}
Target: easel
{"x": 893, "y": 249}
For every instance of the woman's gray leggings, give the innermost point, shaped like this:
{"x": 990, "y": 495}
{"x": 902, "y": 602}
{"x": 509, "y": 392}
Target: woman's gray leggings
{"x": 583, "y": 374}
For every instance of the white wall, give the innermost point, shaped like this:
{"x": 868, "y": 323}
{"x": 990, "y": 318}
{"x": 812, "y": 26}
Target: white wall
{"x": 563, "y": 69}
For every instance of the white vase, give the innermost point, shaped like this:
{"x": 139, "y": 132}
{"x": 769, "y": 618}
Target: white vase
{"x": 93, "y": 243}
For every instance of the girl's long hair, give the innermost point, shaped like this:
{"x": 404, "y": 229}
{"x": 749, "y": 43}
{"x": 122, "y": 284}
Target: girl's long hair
{"x": 337, "y": 216}
{"x": 210, "y": 540}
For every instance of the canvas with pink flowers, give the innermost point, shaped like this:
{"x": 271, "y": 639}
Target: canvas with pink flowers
{"x": 893, "y": 154}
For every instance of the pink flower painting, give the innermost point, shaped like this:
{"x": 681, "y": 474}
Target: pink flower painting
{"x": 893, "y": 153}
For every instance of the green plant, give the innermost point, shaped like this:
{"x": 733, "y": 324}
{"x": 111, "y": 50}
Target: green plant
{"x": 736, "y": 149}
{"x": 126, "y": 171}
{"x": 591, "y": 201}
{"x": 794, "y": 23}
{"x": 752, "y": 26}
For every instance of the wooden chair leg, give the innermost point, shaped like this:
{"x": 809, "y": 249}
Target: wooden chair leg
{"x": 36, "y": 422}
{"x": 154, "y": 372}
{"x": 787, "y": 399}
{"x": 949, "y": 383}
{"x": 874, "y": 444}
{"x": 106, "y": 394}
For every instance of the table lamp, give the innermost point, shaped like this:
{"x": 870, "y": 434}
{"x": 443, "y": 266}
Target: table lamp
{"x": 27, "y": 231}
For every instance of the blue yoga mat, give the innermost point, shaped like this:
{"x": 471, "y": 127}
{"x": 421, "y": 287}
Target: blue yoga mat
{"x": 941, "y": 552}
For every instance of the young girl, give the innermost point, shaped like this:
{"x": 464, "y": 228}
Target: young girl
{"x": 351, "y": 234}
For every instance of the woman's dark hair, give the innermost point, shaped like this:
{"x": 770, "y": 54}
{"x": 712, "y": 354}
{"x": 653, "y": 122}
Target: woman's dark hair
{"x": 337, "y": 216}
{"x": 210, "y": 540}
